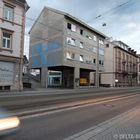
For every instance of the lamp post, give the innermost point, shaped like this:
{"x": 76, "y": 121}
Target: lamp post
{"x": 97, "y": 65}
{"x": 116, "y": 81}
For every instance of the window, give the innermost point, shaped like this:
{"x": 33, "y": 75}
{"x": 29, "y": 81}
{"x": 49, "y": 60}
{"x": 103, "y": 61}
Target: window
{"x": 8, "y": 13}
{"x": 100, "y": 62}
{"x": 70, "y": 55}
{"x": 89, "y": 37}
{"x": 81, "y": 32}
{"x": 94, "y": 49}
{"x": 107, "y": 45}
{"x": 71, "y": 27}
{"x": 101, "y": 41}
{"x": 81, "y": 58}
{"x": 6, "y": 40}
{"x": 71, "y": 41}
{"x": 94, "y": 38}
{"x": 88, "y": 60}
{"x": 94, "y": 61}
{"x": 81, "y": 45}
{"x": 101, "y": 51}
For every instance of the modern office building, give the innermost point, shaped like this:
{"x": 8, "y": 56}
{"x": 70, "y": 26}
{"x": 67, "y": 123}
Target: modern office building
{"x": 120, "y": 65}
{"x": 61, "y": 42}
{"x": 12, "y": 27}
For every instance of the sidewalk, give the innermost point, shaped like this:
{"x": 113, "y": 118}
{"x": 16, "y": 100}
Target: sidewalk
{"x": 123, "y": 127}
{"x": 55, "y": 90}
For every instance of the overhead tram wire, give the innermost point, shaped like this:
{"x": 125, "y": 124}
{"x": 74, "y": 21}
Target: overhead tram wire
{"x": 33, "y": 20}
{"x": 108, "y": 11}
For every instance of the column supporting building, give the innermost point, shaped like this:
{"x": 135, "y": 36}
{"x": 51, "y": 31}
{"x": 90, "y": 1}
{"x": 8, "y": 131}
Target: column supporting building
{"x": 44, "y": 77}
{"x": 76, "y": 77}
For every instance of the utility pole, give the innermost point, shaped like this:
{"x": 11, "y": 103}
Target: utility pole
{"x": 97, "y": 65}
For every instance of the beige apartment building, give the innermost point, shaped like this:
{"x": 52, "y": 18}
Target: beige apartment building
{"x": 12, "y": 27}
{"x": 138, "y": 68}
{"x": 120, "y": 65}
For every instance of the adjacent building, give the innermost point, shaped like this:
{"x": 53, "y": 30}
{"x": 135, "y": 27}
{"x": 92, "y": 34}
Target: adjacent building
{"x": 138, "y": 68}
{"x": 62, "y": 43}
{"x": 120, "y": 65}
{"x": 12, "y": 27}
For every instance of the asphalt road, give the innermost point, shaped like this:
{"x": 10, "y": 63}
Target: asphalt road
{"x": 30, "y": 101}
{"x": 62, "y": 124}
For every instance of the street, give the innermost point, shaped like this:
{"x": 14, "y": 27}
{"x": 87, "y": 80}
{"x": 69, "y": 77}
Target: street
{"x": 60, "y": 124}
{"x": 69, "y": 70}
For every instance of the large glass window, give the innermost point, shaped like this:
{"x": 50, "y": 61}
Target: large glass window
{"x": 8, "y": 13}
{"x": 6, "y": 40}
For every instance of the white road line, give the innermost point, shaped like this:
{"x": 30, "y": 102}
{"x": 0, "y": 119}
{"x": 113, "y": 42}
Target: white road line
{"x": 59, "y": 109}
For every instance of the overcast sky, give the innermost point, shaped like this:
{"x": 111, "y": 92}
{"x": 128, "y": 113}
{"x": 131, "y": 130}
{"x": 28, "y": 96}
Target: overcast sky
{"x": 122, "y": 17}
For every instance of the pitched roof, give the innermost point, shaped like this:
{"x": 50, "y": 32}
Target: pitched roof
{"x": 76, "y": 19}
{"x": 24, "y": 2}
{"x": 71, "y": 17}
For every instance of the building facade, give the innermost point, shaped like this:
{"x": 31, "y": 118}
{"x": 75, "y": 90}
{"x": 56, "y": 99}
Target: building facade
{"x": 12, "y": 26}
{"x": 138, "y": 68}
{"x": 120, "y": 65}
{"x": 61, "y": 42}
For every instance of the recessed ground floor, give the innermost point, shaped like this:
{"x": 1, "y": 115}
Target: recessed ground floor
{"x": 66, "y": 77}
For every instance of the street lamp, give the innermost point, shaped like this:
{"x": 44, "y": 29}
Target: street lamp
{"x": 116, "y": 81}
{"x": 97, "y": 65}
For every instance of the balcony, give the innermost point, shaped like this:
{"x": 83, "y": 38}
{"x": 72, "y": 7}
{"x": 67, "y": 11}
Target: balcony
{"x": 125, "y": 73}
{"x": 134, "y": 74}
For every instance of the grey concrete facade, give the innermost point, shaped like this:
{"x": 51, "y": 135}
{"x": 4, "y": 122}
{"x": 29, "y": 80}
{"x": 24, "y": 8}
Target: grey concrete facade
{"x": 61, "y": 42}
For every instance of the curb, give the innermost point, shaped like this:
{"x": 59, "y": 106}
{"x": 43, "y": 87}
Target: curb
{"x": 96, "y": 130}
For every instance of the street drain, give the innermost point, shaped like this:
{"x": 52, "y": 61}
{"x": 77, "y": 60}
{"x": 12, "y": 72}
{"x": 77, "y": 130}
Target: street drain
{"x": 108, "y": 105}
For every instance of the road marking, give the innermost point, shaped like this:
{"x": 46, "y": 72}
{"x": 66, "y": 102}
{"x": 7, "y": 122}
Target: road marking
{"x": 48, "y": 111}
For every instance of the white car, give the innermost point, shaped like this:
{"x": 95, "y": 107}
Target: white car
{"x": 8, "y": 123}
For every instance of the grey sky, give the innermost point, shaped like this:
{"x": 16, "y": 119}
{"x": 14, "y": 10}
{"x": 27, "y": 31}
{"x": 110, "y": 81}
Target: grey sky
{"x": 123, "y": 23}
